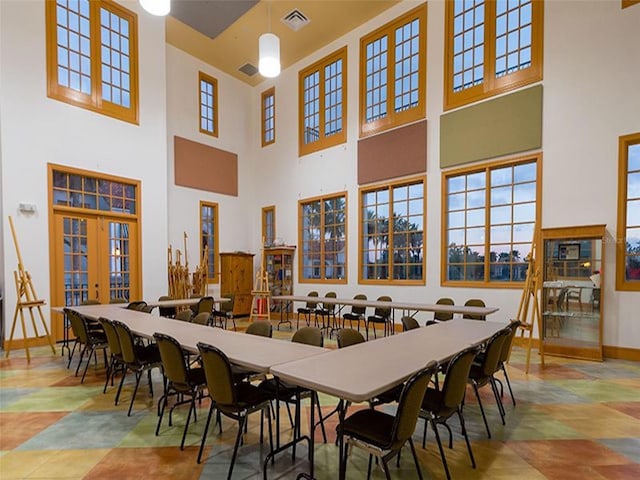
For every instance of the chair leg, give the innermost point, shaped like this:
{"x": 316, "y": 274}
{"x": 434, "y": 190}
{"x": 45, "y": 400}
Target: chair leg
{"x": 192, "y": 408}
{"x": 424, "y": 434}
{"x": 506, "y": 377}
{"x": 92, "y": 352}
{"x": 484, "y": 417}
{"x": 241, "y": 423}
{"x": 124, "y": 374}
{"x": 444, "y": 458}
{"x": 110, "y": 372}
{"x": 466, "y": 438}
{"x": 321, "y": 421}
{"x": 161, "y": 413}
{"x": 206, "y": 430}
{"x": 82, "y": 352}
{"x": 498, "y": 399}
{"x": 386, "y": 469}
{"x": 369, "y": 467}
{"x": 415, "y": 458}
{"x": 135, "y": 390}
{"x": 73, "y": 350}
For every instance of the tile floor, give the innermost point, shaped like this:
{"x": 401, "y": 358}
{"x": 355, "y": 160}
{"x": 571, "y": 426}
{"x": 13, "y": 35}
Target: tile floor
{"x": 574, "y": 419}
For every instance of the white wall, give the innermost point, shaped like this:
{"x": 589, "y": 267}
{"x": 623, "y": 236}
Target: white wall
{"x": 37, "y": 130}
{"x": 591, "y": 97}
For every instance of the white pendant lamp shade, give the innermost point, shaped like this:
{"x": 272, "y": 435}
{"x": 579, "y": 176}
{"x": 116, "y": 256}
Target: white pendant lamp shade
{"x": 157, "y": 7}
{"x": 269, "y": 55}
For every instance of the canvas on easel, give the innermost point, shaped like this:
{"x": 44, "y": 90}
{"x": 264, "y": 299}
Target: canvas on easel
{"x": 26, "y": 299}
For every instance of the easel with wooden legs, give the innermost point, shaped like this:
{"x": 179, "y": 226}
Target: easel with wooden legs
{"x": 261, "y": 301}
{"x": 529, "y": 308}
{"x": 26, "y": 298}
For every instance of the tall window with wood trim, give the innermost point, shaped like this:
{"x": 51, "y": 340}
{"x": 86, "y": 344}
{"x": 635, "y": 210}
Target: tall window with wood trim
{"x": 628, "y": 238}
{"x": 322, "y": 226}
{"x": 209, "y": 238}
{"x": 268, "y": 102}
{"x": 489, "y": 215}
{"x": 208, "y": 88}
{"x": 392, "y": 232}
{"x": 269, "y": 225}
{"x": 393, "y": 73}
{"x": 92, "y": 56}
{"x": 323, "y": 103}
{"x": 491, "y": 46}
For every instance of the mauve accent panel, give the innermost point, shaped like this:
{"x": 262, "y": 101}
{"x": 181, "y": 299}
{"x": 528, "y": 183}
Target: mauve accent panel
{"x": 393, "y": 154}
{"x": 205, "y": 168}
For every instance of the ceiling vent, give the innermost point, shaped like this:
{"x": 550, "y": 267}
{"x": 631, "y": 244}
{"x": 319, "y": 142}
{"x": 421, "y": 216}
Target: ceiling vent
{"x": 248, "y": 69}
{"x": 295, "y": 20}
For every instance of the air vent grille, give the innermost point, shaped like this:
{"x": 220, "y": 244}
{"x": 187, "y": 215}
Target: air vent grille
{"x": 248, "y": 69}
{"x": 295, "y": 20}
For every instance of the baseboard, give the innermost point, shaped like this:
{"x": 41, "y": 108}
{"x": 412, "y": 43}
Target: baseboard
{"x": 617, "y": 353}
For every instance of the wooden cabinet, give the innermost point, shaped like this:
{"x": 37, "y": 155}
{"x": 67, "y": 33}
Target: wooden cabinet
{"x": 236, "y": 277}
{"x": 278, "y": 263}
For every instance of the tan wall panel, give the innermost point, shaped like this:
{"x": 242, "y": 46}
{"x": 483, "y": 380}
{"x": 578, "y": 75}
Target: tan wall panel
{"x": 393, "y": 154}
{"x": 205, "y": 168}
{"x": 491, "y": 129}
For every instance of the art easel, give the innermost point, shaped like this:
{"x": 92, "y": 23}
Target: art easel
{"x": 261, "y": 301}
{"x": 26, "y": 298}
{"x": 529, "y": 308}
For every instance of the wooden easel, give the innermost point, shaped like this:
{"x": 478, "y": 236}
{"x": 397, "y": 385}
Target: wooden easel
{"x": 529, "y": 308}
{"x": 261, "y": 301}
{"x": 26, "y": 298}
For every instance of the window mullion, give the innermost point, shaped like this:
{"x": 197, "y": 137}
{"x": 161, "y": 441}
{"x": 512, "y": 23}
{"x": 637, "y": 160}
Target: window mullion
{"x": 321, "y": 104}
{"x": 490, "y": 46}
{"x": 96, "y": 58}
{"x": 321, "y": 240}
{"x": 390, "y": 232}
{"x": 391, "y": 77}
{"x": 487, "y": 226}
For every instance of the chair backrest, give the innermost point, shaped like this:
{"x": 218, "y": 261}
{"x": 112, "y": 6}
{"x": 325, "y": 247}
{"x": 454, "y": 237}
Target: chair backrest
{"x": 172, "y": 357}
{"x": 506, "y": 346}
{"x": 112, "y": 336}
{"x": 383, "y": 312}
{"x": 127, "y": 344}
{"x": 139, "y": 305}
{"x": 184, "y": 315}
{"x": 409, "y": 323}
{"x": 217, "y": 371}
{"x": 442, "y": 316}
{"x": 357, "y": 310}
{"x": 78, "y": 325}
{"x": 227, "y": 306}
{"x": 201, "y": 318}
{"x": 455, "y": 381}
{"x": 262, "y": 329}
{"x": 474, "y": 302}
{"x": 348, "y": 337}
{"x": 309, "y": 336}
{"x": 166, "y": 311}
{"x": 118, "y": 300}
{"x": 493, "y": 351}
{"x": 312, "y": 305}
{"x": 410, "y": 403}
{"x": 205, "y": 304}
{"x": 329, "y": 307}
{"x": 90, "y": 301}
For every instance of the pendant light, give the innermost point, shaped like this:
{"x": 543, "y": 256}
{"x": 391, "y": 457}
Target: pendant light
{"x": 157, "y": 7}
{"x": 269, "y": 52}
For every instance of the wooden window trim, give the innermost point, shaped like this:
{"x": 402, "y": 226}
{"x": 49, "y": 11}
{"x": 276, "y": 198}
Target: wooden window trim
{"x": 486, "y": 167}
{"x": 622, "y": 283}
{"x": 393, "y": 119}
{"x": 629, "y": 3}
{"x": 333, "y": 281}
{"x": 263, "y": 116}
{"x": 265, "y": 210}
{"x": 94, "y": 101}
{"x": 216, "y": 236}
{"x": 338, "y": 138}
{"x": 390, "y": 186}
{"x": 203, "y": 77}
{"x": 491, "y": 86}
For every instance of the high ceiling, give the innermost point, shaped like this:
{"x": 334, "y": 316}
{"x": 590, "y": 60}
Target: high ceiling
{"x": 224, "y": 33}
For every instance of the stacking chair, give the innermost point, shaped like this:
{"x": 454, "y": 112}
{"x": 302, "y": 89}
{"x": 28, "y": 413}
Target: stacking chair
{"x": 184, "y": 315}
{"x": 202, "y": 318}
{"x": 118, "y": 300}
{"x": 481, "y": 374}
{"x": 357, "y": 314}
{"x": 260, "y": 329}
{"x": 474, "y": 302}
{"x": 234, "y": 400}
{"x": 380, "y": 315}
{"x": 504, "y": 357}
{"x": 224, "y": 313}
{"x": 168, "y": 312}
{"x": 439, "y": 405}
{"x": 409, "y": 323}
{"x": 348, "y": 336}
{"x": 88, "y": 340}
{"x": 180, "y": 379}
{"x": 442, "y": 316}
{"x": 328, "y": 311}
{"x": 205, "y": 304}
{"x": 137, "y": 358}
{"x": 115, "y": 361}
{"x": 139, "y": 305}
{"x": 308, "y": 310}
{"x": 382, "y": 434}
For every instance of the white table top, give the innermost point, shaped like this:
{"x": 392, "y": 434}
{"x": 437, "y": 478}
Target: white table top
{"x": 183, "y": 302}
{"x": 250, "y": 351}
{"x": 360, "y": 372}
{"x": 418, "y": 307}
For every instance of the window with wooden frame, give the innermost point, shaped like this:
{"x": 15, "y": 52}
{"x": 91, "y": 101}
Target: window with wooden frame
{"x": 393, "y": 73}
{"x": 269, "y": 225}
{"x": 92, "y": 56}
{"x": 392, "y": 232}
{"x": 491, "y": 46}
{"x": 628, "y": 238}
{"x": 322, "y": 226}
{"x": 323, "y": 103}
{"x": 268, "y": 102}
{"x": 488, "y": 216}
{"x": 209, "y": 238}
{"x": 208, "y": 87}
